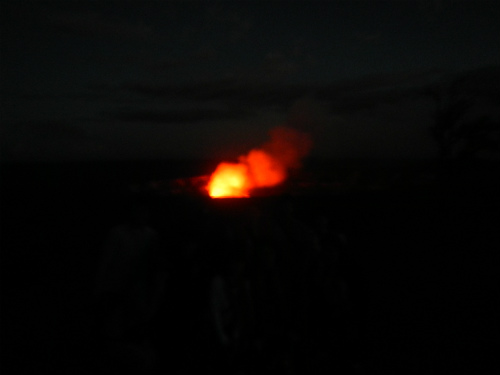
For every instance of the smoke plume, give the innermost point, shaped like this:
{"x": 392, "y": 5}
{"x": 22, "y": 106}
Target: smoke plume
{"x": 266, "y": 166}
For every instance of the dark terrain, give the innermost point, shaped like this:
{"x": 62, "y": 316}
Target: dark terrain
{"x": 422, "y": 275}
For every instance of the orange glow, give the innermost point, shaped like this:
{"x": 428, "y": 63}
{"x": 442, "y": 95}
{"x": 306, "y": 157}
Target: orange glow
{"x": 229, "y": 180}
{"x": 265, "y": 170}
{"x": 264, "y": 167}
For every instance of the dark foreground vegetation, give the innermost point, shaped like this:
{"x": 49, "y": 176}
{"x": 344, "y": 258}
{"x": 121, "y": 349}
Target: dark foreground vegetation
{"x": 387, "y": 279}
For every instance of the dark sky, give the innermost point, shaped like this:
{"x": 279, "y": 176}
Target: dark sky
{"x": 86, "y": 80}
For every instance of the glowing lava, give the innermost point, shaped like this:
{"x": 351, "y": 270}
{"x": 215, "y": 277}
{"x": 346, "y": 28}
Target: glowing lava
{"x": 263, "y": 167}
{"x": 229, "y": 180}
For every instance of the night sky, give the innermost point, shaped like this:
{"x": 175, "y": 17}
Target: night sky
{"x": 103, "y": 80}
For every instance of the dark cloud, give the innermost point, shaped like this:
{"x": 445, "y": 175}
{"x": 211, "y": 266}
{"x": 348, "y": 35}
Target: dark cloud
{"x": 384, "y": 82}
{"x": 177, "y": 116}
{"x": 200, "y": 56}
{"x": 299, "y": 47}
{"x": 84, "y": 97}
{"x": 369, "y": 37}
{"x": 368, "y": 92}
{"x": 93, "y": 24}
{"x": 225, "y": 91}
{"x": 45, "y": 129}
{"x": 167, "y": 64}
{"x": 237, "y": 24}
{"x": 277, "y": 65}
{"x": 360, "y": 101}
{"x": 46, "y": 140}
{"x": 240, "y": 90}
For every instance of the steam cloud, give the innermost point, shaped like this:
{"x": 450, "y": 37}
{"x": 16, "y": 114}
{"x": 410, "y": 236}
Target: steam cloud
{"x": 262, "y": 167}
